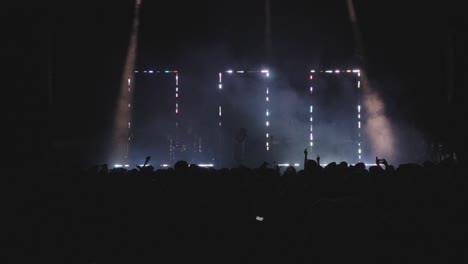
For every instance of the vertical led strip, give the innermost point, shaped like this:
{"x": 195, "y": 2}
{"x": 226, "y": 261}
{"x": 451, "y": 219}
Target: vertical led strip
{"x": 311, "y": 110}
{"x": 267, "y": 112}
{"x": 220, "y": 86}
{"x": 358, "y": 72}
{"x": 129, "y": 124}
{"x": 177, "y": 96}
{"x": 177, "y": 93}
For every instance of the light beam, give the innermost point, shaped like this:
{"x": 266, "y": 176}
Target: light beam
{"x": 121, "y": 132}
{"x": 378, "y": 126}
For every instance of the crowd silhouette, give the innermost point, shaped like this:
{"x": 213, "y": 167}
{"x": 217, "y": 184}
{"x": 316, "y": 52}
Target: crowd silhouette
{"x": 338, "y": 213}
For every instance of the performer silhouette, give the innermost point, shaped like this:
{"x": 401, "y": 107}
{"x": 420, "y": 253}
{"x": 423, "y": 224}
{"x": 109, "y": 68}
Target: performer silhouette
{"x": 239, "y": 146}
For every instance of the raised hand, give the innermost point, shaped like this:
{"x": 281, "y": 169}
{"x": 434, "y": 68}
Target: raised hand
{"x": 384, "y": 161}
{"x": 146, "y": 160}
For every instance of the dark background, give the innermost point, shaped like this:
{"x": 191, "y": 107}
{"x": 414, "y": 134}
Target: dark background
{"x": 405, "y": 44}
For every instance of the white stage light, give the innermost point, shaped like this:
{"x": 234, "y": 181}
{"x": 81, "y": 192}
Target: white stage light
{"x": 205, "y": 165}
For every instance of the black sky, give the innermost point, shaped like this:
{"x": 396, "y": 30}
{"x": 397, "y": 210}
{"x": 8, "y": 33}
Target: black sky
{"x": 405, "y": 44}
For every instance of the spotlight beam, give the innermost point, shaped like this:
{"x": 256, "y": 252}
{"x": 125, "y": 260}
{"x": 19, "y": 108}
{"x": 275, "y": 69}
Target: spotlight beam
{"x": 121, "y": 135}
{"x": 378, "y": 125}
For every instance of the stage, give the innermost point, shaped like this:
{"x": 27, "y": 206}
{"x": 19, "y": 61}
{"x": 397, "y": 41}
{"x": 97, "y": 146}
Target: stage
{"x": 249, "y": 117}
